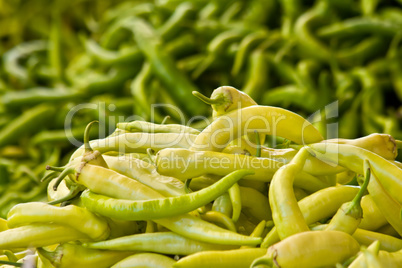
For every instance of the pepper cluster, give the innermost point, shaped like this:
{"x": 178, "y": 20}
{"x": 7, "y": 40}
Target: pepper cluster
{"x": 118, "y": 204}
{"x": 125, "y": 54}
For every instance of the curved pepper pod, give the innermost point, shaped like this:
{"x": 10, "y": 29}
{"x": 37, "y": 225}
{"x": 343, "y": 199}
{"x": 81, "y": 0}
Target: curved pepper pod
{"x": 286, "y": 212}
{"x": 265, "y": 119}
{"x": 161, "y": 207}
{"x": 311, "y": 249}
{"x": 159, "y": 242}
{"x": 352, "y": 157}
{"x": 72, "y": 216}
{"x": 388, "y": 206}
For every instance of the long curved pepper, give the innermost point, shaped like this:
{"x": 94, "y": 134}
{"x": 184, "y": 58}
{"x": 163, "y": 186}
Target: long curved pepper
{"x": 286, "y": 212}
{"x": 350, "y": 214}
{"x": 389, "y": 207}
{"x": 159, "y": 208}
{"x": 268, "y": 120}
{"x": 352, "y": 157}
{"x": 157, "y": 242}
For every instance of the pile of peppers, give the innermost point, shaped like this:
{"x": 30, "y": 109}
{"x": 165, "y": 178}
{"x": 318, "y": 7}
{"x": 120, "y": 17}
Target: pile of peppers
{"x": 170, "y": 195}
{"x": 89, "y": 60}
{"x": 66, "y": 63}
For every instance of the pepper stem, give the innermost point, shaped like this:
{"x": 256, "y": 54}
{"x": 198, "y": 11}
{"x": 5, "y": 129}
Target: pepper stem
{"x": 264, "y": 261}
{"x": 49, "y": 176}
{"x": 356, "y": 200}
{"x": 165, "y": 119}
{"x": 56, "y": 169}
{"x": 16, "y": 264}
{"x": 208, "y": 100}
{"x": 258, "y": 142}
{"x": 87, "y": 146}
{"x": 73, "y": 193}
{"x": 10, "y": 255}
{"x": 187, "y": 186}
{"x": 61, "y": 177}
{"x": 50, "y": 256}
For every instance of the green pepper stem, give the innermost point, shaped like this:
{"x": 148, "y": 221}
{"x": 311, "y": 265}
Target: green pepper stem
{"x": 61, "y": 177}
{"x": 264, "y": 261}
{"x": 11, "y": 256}
{"x": 356, "y": 200}
{"x": 208, "y": 100}
{"x": 165, "y": 119}
{"x": 187, "y": 186}
{"x": 11, "y": 263}
{"x": 257, "y": 140}
{"x": 87, "y": 146}
{"x": 49, "y": 176}
{"x": 57, "y": 169}
{"x": 73, "y": 193}
{"x": 50, "y": 256}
